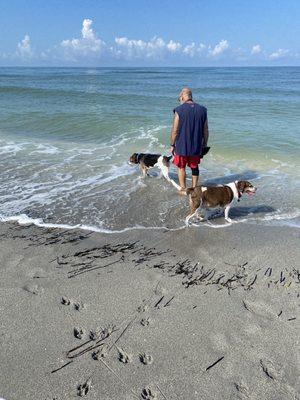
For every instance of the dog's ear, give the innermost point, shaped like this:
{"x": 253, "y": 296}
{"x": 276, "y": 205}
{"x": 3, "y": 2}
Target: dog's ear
{"x": 241, "y": 186}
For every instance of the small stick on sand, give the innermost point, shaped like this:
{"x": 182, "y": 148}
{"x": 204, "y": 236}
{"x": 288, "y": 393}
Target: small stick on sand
{"x": 169, "y": 301}
{"x": 161, "y": 392}
{"x": 117, "y": 376}
{"x": 63, "y": 366}
{"x": 216, "y": 362}
{"x": 159, "y": 301}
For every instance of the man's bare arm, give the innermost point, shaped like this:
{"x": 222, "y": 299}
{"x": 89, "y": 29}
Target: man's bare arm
{"x": 205, "y": 133}
{"x": 175, "y": 129}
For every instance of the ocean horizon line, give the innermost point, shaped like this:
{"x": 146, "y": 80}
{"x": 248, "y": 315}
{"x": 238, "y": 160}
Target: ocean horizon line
{"x": 150, "y": 66}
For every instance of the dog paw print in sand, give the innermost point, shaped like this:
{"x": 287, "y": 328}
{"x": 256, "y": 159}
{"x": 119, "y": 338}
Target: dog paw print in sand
{"x": 145, "y": 321}
{"x": 146, "y": 359}
{"x": 65, "y": 301}
{"x": 84, "y": 388}
{"x": 78, "y": 332}
{"x": 148, "y": 394}
{"x": 101, "y": 353}
{"x": 78, "y": 306}
{"x": 242, "y": 389}
{"x": 124, "y": 357}
{"x": 94, "y": 335}
{"x": 33, "y": 288}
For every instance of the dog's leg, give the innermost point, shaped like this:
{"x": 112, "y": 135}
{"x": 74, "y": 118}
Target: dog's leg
{"x": 144, "y": 170}
{"x": 226, "y": 212}
{"x": 144, "y": 173}
{"x": 189, "y": 217}
{"x": 194, "y": 206}
{"x": 201, "y": 215}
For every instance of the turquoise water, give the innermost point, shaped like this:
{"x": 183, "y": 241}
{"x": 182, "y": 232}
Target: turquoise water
{"x": 66, "y": 135}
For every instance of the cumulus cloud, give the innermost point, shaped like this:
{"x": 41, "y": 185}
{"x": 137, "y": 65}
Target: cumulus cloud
{"x": 154, "y": 48}
{"x": 280, "y": 53}
{"x": 219, "y": 48}
{"x": 24, "y": 49}
{"x": 256, "y": 49}
{"x": 192, "y": 49}
{"x": 174, "y": 46}
{"x": 89, "y": 48}
{"x": 87, "y": 44}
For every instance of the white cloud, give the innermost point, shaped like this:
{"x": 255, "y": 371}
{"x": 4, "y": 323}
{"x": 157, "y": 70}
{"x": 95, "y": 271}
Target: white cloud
{"x": 154, "y": 48}
{"x": 89, "y": 48}
{"x": 280, "y": 53}
{"x": 174, "y": 46}
{"x": 222, "y": 46}
{"x": 192, "y": 49}
{"x": 256, "y": 49}
{"x": 24, "y": 50}
{"x": 88, "y": 44}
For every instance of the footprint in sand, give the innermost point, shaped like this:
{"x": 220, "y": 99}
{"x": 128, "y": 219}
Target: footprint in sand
{"x": 82, "y": 390}
{"x": 145, "y": 321}
{"x": 65, "y": 301}
{"x": 123, "y": 356}
{"x": 243, "y": 390}
{"x": 97, "y": 354}
{"x": 94, "y": 335}
{"x": 148, "y": 394}
{"x": 33, "y": 288}
{"x": 78, "y": 333}
{"x": 78, "y": 306}
{"x": 142, "y": 308}
{"x": 146, "y": 359}
{"x": 260, "y": 309}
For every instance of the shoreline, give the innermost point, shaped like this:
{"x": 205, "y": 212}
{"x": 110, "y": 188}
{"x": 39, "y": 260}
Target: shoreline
{"x": 24, "y": 220}
{"x": 184, "y": 314}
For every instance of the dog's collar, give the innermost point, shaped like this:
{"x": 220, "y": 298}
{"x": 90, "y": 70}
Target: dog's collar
{"x": 233, "y": 187}
{"x": 138, "y": 157}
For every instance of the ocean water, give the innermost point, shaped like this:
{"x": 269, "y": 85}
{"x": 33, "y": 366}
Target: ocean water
{"x": 66, "y": 135}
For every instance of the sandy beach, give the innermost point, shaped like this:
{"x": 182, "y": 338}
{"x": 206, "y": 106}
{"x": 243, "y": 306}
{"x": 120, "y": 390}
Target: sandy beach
{"x": 188, "y": 314}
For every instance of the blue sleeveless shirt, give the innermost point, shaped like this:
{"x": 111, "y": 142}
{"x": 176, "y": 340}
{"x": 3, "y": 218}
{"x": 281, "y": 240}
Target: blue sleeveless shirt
{"x": 192, "y": 117}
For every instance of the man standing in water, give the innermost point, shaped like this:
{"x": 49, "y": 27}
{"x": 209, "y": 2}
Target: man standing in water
{"x": 189, "y": 136}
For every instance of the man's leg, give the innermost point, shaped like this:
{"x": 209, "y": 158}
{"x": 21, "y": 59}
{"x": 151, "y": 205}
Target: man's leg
{"x": 181, "y": 177}
{"x": 195, "y": 176}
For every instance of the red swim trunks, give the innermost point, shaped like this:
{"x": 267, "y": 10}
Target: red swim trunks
{"x": 183, "y": 161}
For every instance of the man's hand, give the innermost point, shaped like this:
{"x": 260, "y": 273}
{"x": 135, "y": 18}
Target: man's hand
{"x": 175, "y": 128}
{"x": 205, "y": 134}
{"x": 172, "y": 150}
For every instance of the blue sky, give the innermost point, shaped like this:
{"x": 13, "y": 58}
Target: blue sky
{"x": 138, "y": 33}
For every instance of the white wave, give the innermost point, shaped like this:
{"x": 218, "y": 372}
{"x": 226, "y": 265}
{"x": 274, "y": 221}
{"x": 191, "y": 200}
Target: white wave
{"x": 12, "y": 148}
{"x": 47, "y": 193}
{"x": 45, "y": 149}
{"x": 23, "y": 219}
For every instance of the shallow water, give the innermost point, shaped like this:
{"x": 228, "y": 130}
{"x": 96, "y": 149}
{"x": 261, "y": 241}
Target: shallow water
{"x": 66, "y": 135}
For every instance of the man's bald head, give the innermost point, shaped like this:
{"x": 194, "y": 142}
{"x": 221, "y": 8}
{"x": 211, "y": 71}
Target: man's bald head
{"x": 185, "y": 94}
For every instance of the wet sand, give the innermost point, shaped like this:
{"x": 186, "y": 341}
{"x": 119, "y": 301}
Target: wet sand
{"x": 197, "y": 313}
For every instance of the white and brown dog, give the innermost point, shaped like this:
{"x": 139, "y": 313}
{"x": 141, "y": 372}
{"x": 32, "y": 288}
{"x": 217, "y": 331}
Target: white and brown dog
{"x": 208, "y": 197}
{"x": 147, "y": 161}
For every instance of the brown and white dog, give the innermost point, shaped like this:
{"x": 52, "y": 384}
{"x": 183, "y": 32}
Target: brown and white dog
{"x": 222, "y": 196}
